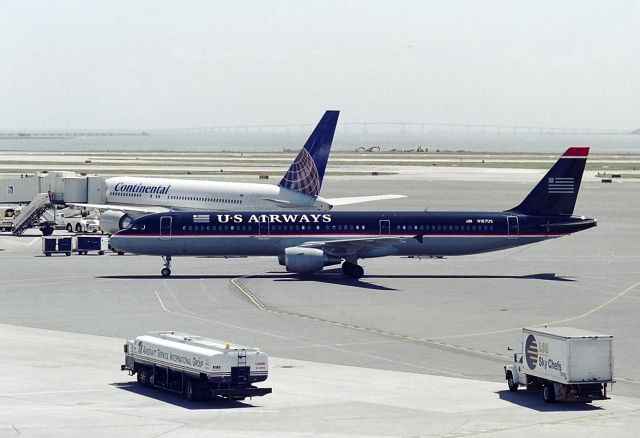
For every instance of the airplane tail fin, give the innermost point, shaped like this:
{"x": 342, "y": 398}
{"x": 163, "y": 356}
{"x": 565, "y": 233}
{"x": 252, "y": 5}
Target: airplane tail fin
{"x": 556, "y": 193}
{"x": 307, "y": 170}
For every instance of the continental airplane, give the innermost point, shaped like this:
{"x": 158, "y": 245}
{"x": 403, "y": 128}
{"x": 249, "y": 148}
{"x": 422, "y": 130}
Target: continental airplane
{"x": 130, "y": 197}
{"x": 306, "y": 242}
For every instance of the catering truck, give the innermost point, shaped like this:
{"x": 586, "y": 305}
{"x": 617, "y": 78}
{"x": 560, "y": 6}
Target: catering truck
{"x": 195, "y": 366}
{"x": 566, "y": 363}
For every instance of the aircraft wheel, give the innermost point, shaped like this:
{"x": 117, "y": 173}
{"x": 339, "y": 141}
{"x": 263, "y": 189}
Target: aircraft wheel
{"x": 352, "y": 270}
{"x": 166, "y": 272}
{"x": 347, "y": 268}
{"x": 69, "y": 228}
{"x": 358, "y": 271}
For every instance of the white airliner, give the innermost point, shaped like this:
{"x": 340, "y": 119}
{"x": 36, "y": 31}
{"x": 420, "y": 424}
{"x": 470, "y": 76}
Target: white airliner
{"x": 130, "y": 197}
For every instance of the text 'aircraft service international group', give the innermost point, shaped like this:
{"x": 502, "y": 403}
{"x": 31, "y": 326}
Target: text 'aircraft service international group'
{"x": 306, "y": 242}
{"x": 130, "y": 197}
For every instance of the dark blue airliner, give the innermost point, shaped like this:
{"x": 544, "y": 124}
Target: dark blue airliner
{"x": 306, "y": 242}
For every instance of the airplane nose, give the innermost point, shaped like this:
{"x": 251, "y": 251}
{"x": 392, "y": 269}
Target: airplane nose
{"x": 115, "y": 241}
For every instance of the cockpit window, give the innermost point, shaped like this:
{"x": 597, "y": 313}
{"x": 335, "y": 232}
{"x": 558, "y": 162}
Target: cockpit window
{"x": 135, "y": 226}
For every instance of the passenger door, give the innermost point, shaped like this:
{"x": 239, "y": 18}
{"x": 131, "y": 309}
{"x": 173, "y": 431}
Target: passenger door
{"x": 165, "y": 227}
{"x": 385, "y": 227}
{"x": 513, "y": 229}
{"x": 263, "y": 228}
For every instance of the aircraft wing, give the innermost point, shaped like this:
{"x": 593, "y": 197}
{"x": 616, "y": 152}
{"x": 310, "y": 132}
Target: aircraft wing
{"x": 136, "y": 209}
{"x": 369, "y": 247}
{"x": 359, "y": 199}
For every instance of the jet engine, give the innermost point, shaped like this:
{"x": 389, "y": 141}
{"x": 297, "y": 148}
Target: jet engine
{"x": 305, "y": 260}
{"x": 112, "y": 221}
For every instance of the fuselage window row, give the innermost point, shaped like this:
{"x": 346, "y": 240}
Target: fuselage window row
{"x": 275, "y": 228}
{"x": 445, "y": 227}
{"x": 308, "y": 228}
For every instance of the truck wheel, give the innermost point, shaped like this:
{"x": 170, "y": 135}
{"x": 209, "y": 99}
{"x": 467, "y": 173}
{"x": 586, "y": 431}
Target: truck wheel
{"x": 78, "y": 228}
{"x": 69, "y": 228}
{"x": 143, "y": 376}
{"x": 549, "y": 393}
{"x": 100, "y": 252}
{"x": 190, "y": 392}
{"x": 3, "y": 229}
{"x": 513, "y": 386}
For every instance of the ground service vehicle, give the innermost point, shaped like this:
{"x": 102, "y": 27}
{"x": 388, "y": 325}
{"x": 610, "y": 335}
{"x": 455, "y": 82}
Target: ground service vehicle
{"x": 195, "y": 366}
{"x": 86, "y": 244}
{"x": 79, "y": 224}
{"x": 8, "y": 218}
{"x": 57, "y": 245}
{"x": 566, "y": 363}
{"x": 6, "y": 223}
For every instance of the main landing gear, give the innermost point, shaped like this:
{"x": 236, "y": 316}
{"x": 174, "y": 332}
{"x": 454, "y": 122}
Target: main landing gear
{"x": 166, "y": 271}
{"x": 352, "y": 270}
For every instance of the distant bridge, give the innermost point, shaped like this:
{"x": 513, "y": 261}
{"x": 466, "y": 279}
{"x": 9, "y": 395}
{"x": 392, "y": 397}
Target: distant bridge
{"x": 405, "y": 128}
{"x": 34, "y": 135}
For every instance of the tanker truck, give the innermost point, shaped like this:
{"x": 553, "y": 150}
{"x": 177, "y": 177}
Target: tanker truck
{"x": 196, "y": 366}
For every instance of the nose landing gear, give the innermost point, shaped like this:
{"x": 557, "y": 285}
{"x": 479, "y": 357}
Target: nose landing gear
{"x": 166, "y": 271}
{"x": 352, "y": 270}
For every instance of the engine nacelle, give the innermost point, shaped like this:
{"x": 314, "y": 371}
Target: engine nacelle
{"x": 301, "y": 259}
{"x": 112, "y": 221}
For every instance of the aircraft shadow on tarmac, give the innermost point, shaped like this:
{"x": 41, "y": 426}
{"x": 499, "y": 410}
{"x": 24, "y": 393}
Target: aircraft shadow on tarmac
{"x": 335, "y": 276}
{"x": 533, "y": 400}
{"x": 338, "y": 279}
{"x": 179, "y": 400}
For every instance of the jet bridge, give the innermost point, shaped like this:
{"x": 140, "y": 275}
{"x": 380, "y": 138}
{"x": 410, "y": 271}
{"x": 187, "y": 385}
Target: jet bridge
{"x": 66, "y": 186}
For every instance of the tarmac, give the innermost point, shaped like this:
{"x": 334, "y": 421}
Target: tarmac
{"x": 415, "y": 348}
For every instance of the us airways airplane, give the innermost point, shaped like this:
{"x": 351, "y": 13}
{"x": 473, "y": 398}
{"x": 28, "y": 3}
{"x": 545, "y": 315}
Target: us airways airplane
{"x": 130, "y": 197}
{"x": 307, "y": 242}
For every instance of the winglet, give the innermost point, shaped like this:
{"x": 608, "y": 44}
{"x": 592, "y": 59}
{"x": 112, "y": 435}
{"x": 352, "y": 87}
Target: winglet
{"x": 307, "y": 171}
{"x": 557, "y": 192}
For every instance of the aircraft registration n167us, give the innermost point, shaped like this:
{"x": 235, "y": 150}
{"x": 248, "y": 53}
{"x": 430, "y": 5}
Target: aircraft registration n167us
{"x": 306, "y": 242}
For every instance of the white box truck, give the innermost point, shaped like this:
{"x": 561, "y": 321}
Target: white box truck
{"x": 568, "y": 364}
{"x": 195, "y": 366}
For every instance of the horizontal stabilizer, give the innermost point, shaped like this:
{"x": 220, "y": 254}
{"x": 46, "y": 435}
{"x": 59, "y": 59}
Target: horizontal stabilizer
{"x": 359, "y": 199}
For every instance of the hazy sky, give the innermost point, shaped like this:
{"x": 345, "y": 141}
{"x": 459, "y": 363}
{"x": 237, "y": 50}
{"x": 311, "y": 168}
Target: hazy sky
{"x": 164, "y": 64}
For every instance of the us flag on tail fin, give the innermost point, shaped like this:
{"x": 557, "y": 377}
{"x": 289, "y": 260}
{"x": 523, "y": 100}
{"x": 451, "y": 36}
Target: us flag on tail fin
{"x": 561, "y": 185}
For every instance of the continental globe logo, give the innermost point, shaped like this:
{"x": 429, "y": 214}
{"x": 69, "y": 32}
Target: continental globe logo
{"x": 531, "y": 352}
{"x": 303, "y": 175}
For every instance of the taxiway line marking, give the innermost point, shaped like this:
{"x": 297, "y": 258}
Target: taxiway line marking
{"x": 198, "y": 318}
{"x": 573, "y": 318}
{"x": 260, "y": 305}
{"x": 600, "y": 307}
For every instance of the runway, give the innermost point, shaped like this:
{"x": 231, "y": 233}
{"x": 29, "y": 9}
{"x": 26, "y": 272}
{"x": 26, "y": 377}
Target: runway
{"x": 417, "y": 344}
